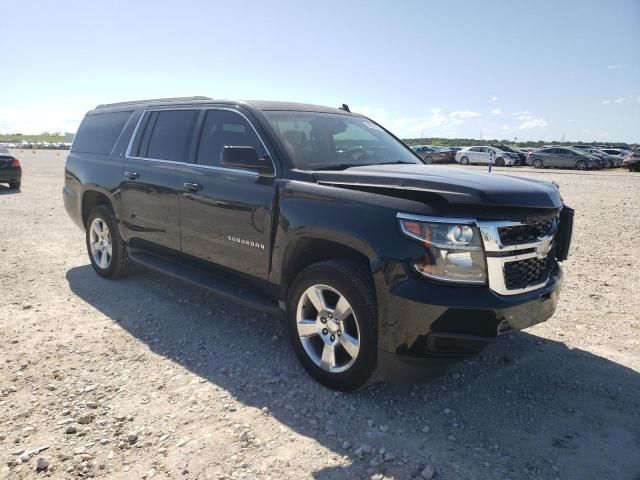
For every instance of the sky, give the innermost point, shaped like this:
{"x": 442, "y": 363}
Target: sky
{"x": 531, "y": 70}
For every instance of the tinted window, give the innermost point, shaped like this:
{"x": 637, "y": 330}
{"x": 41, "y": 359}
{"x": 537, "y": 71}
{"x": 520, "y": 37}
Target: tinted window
{"x": 98, "y": 133}
{"x": 167, "y": 135}
{"x": 475, "y": 149}
{"x": 223, "y": 128}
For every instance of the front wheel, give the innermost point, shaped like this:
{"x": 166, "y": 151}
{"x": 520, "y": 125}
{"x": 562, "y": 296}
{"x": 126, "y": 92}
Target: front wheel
{"x": 332, "y": 319}
{"x": 500, "y": 162}
{"x": 581, "y": 165}
{"x": 537, "y": 163}
{"x": 107, "y": 251}
{"x": 14, "y": 185}
{"x": 464, "y": 161}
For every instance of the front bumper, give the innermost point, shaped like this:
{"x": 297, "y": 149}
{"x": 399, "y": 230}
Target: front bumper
{"x": 426, "y": 325}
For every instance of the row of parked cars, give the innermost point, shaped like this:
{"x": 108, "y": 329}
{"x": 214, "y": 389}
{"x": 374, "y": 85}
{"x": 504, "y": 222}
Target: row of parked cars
{"x": 581, "y": 157}
{"x": 38, "y": 145}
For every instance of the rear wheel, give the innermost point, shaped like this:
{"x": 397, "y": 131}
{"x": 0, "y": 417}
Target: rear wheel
{"x": 332, "y": 317}
{"x": 537, "y": 163}
{"x": 107, "y": 251}
{"x": 581, "y": 165}
{"x": 15, "y": 185}
{"x": 464, "y": 161}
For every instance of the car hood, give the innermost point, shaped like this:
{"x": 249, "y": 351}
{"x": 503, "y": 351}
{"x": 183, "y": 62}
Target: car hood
{"x": 455, "y": 185}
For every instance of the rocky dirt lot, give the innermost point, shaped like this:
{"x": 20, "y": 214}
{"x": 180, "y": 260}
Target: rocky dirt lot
{"x": 151, "y": 378}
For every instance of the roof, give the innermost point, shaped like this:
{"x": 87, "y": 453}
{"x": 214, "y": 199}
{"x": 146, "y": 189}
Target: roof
{"x": 267, "y": 105}
{"x": 263, "y": 105}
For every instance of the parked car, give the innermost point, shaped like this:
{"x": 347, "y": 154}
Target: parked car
{"x": 563, "y": 157}
{"x": 618, "y": 152}
{"x": 594, "y": 153}
{"x": 632, "y": 161}
{"x": 522, "y": 156}
{"x": 482, "y": 154}
{"x": 10, "y": 169}
{"x": 324, "y": 214}
{"x": 528, "y": 149}
{"x": 432, "y": 154}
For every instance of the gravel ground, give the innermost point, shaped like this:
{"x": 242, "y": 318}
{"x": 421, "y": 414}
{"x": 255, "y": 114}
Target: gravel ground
{"x": 147, "y": 377}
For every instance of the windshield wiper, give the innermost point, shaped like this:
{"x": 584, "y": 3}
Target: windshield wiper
{"x": 398, "y": 162}
{"x": 344, "y": 166}
{"x": 337, "y": 166}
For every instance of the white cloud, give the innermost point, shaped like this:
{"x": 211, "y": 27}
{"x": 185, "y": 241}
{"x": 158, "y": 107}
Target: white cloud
{"x": 496, "y": 111}
{"x": 435, "y": 121}
{"x": 616, "y": 100}
{"x": 464, "y": 114}
{"x": 493, "y": 99}
{"x": 529, "y": 121}
{"x": 524, "y": 112}
{"x": 505, "y": 127}
{"x": 614, "y": 66}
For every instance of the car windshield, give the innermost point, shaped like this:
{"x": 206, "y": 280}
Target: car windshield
{"x": 318, "y": 141}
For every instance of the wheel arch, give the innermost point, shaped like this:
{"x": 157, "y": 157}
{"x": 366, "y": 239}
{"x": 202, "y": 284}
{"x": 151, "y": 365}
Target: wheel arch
{"x": 308, "y": 250}
{"x": 91, "y": 198}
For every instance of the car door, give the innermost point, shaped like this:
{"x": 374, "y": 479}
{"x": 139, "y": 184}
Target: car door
{"x": 226, "y": 213}
{"x": 564, "y": 158}
{"x": 474, "y": 154}
{"x": 482, "y": 157}
{"x": 152, "y": 180}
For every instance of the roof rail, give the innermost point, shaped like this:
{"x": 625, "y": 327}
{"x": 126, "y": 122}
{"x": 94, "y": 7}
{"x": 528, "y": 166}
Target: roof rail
{"x": 152, "y": 100}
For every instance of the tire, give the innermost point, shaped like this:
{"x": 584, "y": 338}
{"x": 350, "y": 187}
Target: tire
{"x": 464, "y": 161}
{"x": 500, "y": 162}
{"x": 340, "y": 282}
{"x": 537, "y": 163}
{"x": 115, "y": 264}
{"x": 581, "y": 165}
{"x": 15, "y": 185}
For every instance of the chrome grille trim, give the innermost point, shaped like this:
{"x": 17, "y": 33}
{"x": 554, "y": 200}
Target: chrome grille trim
{"x": 492, "y": 243}
{"x": 495, "y": 265}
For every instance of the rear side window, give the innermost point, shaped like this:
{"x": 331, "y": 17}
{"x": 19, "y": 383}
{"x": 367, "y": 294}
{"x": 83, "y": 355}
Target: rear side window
{"x": 167, "y": 135}
{"x": 98, "y": 133}
{"x": 224, "y": 128}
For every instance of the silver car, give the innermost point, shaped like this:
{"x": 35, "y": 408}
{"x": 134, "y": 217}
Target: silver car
{"x": 482, "y": 155}
{"x": 563, "y": 157}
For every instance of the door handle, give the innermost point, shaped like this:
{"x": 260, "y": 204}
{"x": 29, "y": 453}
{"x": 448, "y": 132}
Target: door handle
{"x": 131, "y": 175}
{"x": 192, "y": 187}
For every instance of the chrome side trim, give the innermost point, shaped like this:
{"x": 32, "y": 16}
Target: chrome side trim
{"x": 207, "y": 167}
{"x": 200, "y": 108}
{"x": 425, "y": 218}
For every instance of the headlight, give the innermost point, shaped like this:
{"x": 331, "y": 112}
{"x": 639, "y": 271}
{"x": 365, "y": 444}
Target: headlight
{"x": 453, "y": 250}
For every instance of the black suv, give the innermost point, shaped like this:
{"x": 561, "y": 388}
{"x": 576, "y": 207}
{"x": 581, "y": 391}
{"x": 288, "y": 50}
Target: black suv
{"x": 378, "y": 259}
{"x": 10, "y": 169}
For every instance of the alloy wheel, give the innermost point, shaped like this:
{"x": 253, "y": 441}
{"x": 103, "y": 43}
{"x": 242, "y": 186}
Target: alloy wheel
{"x": 100, "y": 243}
{"x": 328, "y": 328}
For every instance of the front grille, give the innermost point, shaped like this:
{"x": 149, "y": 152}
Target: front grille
{"x": 524, "y": 273}
{"x": 527, "y": 232}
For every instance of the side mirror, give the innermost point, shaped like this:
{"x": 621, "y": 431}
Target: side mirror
{"x": 246, "y": 157}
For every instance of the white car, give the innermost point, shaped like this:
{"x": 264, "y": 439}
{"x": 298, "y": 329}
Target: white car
{"x": 482, "y": 155}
